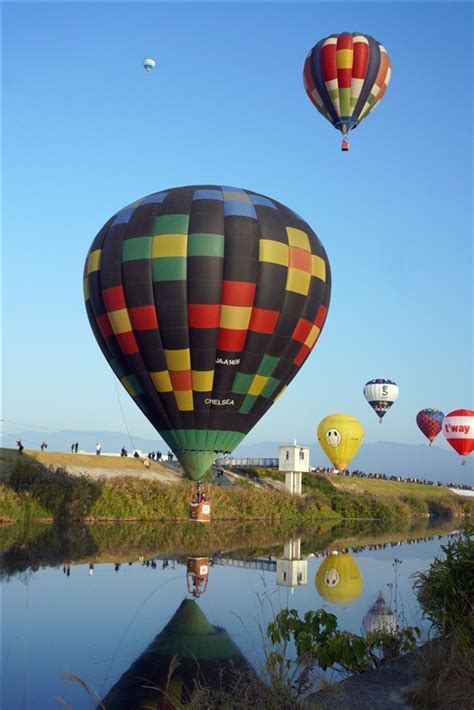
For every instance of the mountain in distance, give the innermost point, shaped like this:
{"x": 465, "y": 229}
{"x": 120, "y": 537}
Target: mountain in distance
{"x": 393, "y": 459}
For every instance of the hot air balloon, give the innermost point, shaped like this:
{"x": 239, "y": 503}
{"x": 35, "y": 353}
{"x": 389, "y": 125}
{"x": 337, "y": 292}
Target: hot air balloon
{"x": 345, "y": 77}
{"x": 338, "y": 579}
{"x": 458, "y": 428}
{"x": 430, "y": 421}
{"x": 380, "y": 618}
{"x": 381, "y": 394}
{"x": 189, "y": 653}
{"x": 206, "y": 301}
{"x": 149, "y": 64}
{"x": 340, "y": 436}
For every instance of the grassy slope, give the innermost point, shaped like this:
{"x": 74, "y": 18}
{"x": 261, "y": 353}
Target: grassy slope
{"x": 34, "y": 489}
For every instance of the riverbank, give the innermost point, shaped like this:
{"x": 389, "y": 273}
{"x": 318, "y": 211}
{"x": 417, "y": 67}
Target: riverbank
{"x": 48, "y": 486}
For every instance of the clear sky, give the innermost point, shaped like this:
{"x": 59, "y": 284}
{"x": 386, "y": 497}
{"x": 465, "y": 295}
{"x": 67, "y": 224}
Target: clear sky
{"x": 86, "y": 131}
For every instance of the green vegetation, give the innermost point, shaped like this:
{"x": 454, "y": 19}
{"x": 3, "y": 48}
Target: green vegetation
{"x": 446, "y": 595}
{"x": 33, "y": 489}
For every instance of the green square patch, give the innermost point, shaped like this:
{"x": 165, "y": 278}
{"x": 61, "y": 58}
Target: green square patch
{"x": 267, "y": 365}
{"x": 241, "y": 383}
{"x": 247, "y": 404}
{"x": 270, "y": 387}
{"x": 169, "y": 268}
{"x": 172, "y": 224}
{"x": 203, "y": 244}
{"x": 136, "y": 248}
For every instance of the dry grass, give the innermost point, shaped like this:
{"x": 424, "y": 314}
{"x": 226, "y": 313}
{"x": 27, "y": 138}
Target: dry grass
{"x": 88, "y": 461}
{"x": 447, "y": 671}
{"x": 391, "y": 489}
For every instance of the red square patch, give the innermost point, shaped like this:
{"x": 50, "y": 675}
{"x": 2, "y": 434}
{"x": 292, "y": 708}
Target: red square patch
{"x": 238, "y": 293}
{"x": 203, "y": 316}
{"x": 321, "y": 316}
{"x": 300, "y": 259}
{"x": 127, "y": 343}
{"x": 143, "y": 317}
{"x": 263, "y": 320}
{"x": 231, "y": 340}
{"x": 181, "y": 380}
{"x": 104, "y": 325}
{"x": 302, "y": 355}
{"x": 301, "y": 330}
{"x": 114, "y": 298}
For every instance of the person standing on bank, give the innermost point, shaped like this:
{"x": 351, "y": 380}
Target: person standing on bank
{"x": 98, "y": 449}
{"x": 76, "y": 446}
{"x": 20, "y": 447}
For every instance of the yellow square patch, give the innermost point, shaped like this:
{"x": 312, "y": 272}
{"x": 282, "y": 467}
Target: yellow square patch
{"x": 169, "y": 245}
{"x": 258, "y": 383}
{"x": 86, "y": 289}
{"x": 298, "y": 281}
{"x": 162, "y": 381}
{"x": 318, "y": 267}
{"x": 344, "y": 58}
{"x": 312, "y": 336}
{"x": 93, "y": 262}
{"x": 203, "y": 380}
{"x": 273, "y": 252}
{"x": 298, "y": 238}
{"x": 184, "y": 400}
{"x": 178, "y": 359}
{"x": 120, "y": 321}
{"x": 235, "y": 317}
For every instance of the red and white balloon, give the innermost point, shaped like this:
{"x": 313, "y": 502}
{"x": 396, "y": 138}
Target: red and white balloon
{"x": 458, "y": 428}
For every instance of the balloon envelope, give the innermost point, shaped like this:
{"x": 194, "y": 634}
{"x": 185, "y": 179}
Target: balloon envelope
{"x": 338, "y": 579}
{"x": 340, "y": 436}
{"x": 149, "y": 64}
{"x": 345, "y": 77}
{"x": 206, "y": 301}
{"x": 430, "y": 421}
{"x": 381, "y": 394}
{"x": 458, "y": 428}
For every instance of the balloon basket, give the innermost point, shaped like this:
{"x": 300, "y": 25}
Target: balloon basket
{"x": 199, "y": 507}
{"x": 197, "y": 573}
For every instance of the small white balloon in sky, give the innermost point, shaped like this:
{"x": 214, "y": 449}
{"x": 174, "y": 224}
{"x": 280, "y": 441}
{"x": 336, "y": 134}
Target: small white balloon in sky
{"x": 149, "y": 64}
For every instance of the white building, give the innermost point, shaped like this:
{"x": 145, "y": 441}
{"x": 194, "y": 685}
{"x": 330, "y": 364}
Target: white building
{"x": 292, "y": 571}
{"x": 294, "y": 461}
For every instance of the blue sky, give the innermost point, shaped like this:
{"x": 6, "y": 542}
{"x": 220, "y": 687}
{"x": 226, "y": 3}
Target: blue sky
{"x": 86, "y": 131}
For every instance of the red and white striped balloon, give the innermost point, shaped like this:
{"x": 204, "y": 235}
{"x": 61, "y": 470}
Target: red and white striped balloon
{"x": 458, "y": 428}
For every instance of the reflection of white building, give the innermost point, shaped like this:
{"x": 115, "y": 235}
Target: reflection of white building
{"x": 294, "y": 461}
{"x": 291, "y": 570}
{"x": 380, "y": 618}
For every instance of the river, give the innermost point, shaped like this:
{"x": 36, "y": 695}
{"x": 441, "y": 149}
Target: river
{"x": 90, "y": 602}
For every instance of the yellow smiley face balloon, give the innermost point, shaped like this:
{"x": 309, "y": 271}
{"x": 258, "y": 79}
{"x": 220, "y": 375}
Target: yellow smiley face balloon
{"x": 340, "y": 436}
{"x": 338, "y": 579}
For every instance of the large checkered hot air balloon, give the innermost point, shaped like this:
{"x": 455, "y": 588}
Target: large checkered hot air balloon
{"x": 345, "y": 77}
{"x": 206, "y": 301}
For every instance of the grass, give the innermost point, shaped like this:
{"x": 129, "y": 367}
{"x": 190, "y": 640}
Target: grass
{"x": 34, "y": 487}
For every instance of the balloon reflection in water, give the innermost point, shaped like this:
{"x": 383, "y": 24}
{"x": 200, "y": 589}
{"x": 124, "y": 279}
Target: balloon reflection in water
{"x": 380, "y": 618}
{"x": 189, "y": 652}
{"x": 338, "y": 579}
{"x": 197, "y": 575}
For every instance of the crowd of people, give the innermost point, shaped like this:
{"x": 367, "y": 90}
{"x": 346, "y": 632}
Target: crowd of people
{"x": 385, "y": 477}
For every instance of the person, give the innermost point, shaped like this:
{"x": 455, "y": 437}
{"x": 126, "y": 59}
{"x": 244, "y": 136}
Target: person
{"x": 170, "y": 456}
{"x": 136, "y": 455}
{"x": 76, "y": 446}
{"x": 20, "y": 447}
{"x": 158, "y": 455}
{"x": 72, "y": 448}
{"x": 123, "y": 451}
{"x": 91, "y": 569}
{"x": 43, "y": 446}
{"x": 98, "y": 449}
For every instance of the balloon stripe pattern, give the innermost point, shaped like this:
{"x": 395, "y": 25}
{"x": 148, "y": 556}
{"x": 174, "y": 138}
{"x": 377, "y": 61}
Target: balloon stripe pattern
{"x": 381, "y": 394}
{"x": 206, "y": 301}
{"x": 345, "y": 77}
{"x": 430, "y": 421}
{"x": 458, "y": 428}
